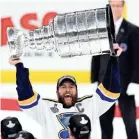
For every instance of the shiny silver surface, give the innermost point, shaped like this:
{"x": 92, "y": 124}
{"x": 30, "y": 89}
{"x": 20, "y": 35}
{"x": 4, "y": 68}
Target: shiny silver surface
{"x": 81, "y": 33}
{"x": 69, "y": 34}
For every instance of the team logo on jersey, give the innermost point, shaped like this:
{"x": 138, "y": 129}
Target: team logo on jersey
{"x": 79, "y": 107}
{"x": 124, "y": 46}
{"x": 54, "y": 109}
{"x": 63, "y": 118}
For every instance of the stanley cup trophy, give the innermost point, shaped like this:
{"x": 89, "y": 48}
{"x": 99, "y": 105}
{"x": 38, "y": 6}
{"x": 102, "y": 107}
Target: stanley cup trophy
{"x": 88, "y": 32}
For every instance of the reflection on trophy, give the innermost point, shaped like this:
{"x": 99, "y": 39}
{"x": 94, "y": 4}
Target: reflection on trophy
{"x": 88, "y": 32}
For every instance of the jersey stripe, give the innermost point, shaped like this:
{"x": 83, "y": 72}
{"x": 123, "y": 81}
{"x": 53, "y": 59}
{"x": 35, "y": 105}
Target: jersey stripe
{"x": 107, "y": 95}
{"x": 29, "y": 103}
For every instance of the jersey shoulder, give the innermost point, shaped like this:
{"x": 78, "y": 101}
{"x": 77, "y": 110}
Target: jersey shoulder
{"x": 50, "y": 100}
{"x": 84, "y": 98}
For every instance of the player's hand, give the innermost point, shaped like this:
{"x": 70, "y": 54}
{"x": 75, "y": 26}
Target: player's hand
{"x": 117, "y": 48}
{"x": 14, "y": 61}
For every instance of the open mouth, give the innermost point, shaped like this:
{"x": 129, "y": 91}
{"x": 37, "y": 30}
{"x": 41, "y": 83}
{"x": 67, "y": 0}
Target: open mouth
{"x": 67, "y": 97}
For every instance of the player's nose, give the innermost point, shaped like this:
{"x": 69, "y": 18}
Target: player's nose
{"x": 68, "y": 89}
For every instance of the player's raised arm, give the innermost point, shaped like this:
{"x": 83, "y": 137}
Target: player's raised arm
{"x": 29, "y": 101}
{"x": 108, "y": 90}
{"x": 27, "y": 98}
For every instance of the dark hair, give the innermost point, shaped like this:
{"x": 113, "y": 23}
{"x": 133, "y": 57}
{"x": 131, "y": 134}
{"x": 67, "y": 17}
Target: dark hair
{"x": 25, "y": 135}
{"x": 80, "y": 126}
{"x": 6, "y": 130}
{"x": 84, "y": 136}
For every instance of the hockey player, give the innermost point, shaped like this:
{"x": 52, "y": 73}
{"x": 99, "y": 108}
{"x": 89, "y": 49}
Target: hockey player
{"x": 24, "y": 135}
{"x": 79, "y": 126}
{"x": 10, "y": 126}
{"x": 54, "y": 116}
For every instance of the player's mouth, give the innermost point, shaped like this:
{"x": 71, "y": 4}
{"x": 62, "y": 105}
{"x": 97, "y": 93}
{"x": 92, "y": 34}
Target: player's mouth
{"x": 68, "y": 97}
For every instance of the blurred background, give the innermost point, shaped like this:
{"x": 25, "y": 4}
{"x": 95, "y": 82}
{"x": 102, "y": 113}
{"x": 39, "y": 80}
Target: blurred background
{"x": 47, "y": 67}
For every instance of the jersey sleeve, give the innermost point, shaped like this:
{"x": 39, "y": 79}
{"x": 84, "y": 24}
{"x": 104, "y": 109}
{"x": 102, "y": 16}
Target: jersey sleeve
{"x": 108, "y": 90}
{"x": 30, "y": 102}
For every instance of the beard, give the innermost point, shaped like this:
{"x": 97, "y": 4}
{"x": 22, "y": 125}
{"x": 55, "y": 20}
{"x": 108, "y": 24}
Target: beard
{"x": 62, "y": 100}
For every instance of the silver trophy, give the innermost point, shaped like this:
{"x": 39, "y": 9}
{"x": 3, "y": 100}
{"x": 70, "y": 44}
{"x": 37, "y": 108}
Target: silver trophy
{"x": 88, "y": 32}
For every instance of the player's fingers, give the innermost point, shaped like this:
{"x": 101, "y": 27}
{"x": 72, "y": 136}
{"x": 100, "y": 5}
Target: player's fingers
{"x": 14, "y": 61}
{"x": 115, "y": 46}
{"x": 119, "y": 51}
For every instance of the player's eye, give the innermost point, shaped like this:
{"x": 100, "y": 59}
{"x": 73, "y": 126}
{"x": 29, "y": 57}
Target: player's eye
{"x": 63, "y": 86}
{"x": 72, "y": 86}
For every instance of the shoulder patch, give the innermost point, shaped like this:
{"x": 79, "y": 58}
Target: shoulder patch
{"x": 84, "y": 97}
